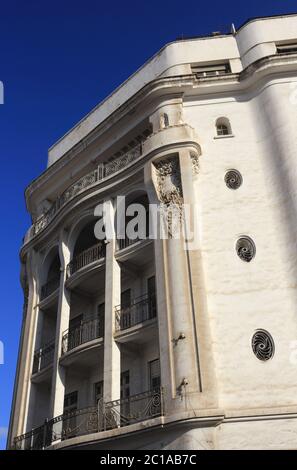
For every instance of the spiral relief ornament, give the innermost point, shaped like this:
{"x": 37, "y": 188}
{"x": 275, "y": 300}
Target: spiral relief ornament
{"x": 263, "y": 345}
{"x": 246, "y": 249}
{"x": 233, "y": 179}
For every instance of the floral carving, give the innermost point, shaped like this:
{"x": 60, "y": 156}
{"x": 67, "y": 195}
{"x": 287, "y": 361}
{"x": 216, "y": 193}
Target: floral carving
{"x": 195, "y": 164}
{"x": 169, "y": 189}
{"x": 169, "y": 181}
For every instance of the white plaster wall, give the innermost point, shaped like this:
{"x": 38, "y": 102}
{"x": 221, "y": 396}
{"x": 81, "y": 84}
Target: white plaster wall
{"x": 138, "y": 284}
{"x": 136, "y": 360}
{"x": 256, "y": 39}
{"x": 48, "y": 329}
{"x": 80, "y": 305}
{"x": 197, "y": 439}
{"x": 272, "y": 434}
{"x": 41, "y": 393}
{"x": 243, "y": 297}
{"x": 83, "y": 381}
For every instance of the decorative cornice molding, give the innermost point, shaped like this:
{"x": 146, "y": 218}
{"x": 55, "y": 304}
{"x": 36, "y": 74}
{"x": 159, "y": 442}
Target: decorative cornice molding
{"x": 163, "y": 87}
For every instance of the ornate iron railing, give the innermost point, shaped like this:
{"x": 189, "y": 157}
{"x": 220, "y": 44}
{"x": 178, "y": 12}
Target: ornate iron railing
{"x": 94, "y": 253}
{"x": 32, "y": 440}
{"x": 141, "y": 310}
{"x": 104, "y": 170}
{"x": 125, "y": 242}
{"x": 104, "y": 416}
{"x": 43, "y": 357}
{"x": 133, "y": 409}
{"x": 51, "y": 286}
{"x": 88, "y": 330}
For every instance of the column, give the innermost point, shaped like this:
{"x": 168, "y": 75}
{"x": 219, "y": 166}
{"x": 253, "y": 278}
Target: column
{"x": 112, "y": 353}
{"x": 20, "y": 411}
{"x": 59, "y": 372}
{"x": 169, "y": 180}
{"x": 189, "y": 167}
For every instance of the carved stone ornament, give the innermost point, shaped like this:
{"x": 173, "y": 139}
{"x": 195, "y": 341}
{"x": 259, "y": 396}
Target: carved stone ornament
{"x": 195, "y": 164}
{"x": 169, "y": 190}
{"x": 263, "y": 345}
{"x": 169, "y": 186}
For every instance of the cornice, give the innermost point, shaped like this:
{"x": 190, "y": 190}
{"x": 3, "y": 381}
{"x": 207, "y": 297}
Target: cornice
{"x": 181, "y": 85}
{"x": 101, "y": 189}
{"x": 162, "y": 87}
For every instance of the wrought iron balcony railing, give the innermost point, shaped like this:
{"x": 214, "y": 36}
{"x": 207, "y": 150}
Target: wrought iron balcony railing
{"x": 125, "y": 242}
{"x": 43, "y": 357}
{"x": 110, "y": 415}
{"x": 89, "y": 329}
{"x": 103, "y": 171}
{"x": 51, "y": 286}
{"x": 94, "y": 253}
{"x": 141, "y": 310}
{"x": 134, "y": 409}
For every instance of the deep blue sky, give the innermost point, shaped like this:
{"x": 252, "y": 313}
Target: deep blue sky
{"x": 57, "y": 61}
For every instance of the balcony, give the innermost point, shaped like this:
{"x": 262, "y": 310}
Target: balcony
{"x": 126, "y": 242}
{"x": 89, "y": 330}
{"x": 125, "y": 157}
{"x": 43, "y": 357}
{"x": 51, "y": 286}
{"x": 86, "y": 257}
{"x": 143, "y": 309}
{"x": 94, "y": 419}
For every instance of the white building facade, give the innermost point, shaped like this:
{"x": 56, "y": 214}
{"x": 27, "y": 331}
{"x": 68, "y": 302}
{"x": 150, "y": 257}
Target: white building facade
{"x": 168, "y": 343}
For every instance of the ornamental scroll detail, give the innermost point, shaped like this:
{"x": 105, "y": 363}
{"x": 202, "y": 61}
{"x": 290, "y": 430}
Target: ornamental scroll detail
{"x": 170, "y": 193}
{"x": 195, "y": 164}
{"x": 169, "y": 185}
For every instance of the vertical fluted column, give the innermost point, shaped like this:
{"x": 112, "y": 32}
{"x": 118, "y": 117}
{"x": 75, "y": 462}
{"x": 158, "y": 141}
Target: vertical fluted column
{"x": 112, "y": 354}
{"x": 19, "y": 414}
{"x": 189, "y": 167}
{"x": 181, "y": 314}
{"x": 58, "y": 380}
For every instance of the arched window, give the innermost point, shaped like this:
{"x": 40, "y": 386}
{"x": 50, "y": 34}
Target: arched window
{"x": 87, "y": 249}
{"x": 86, "y": 239}
{"x": 52, "y": 274}
{"x": 223, "y": 127}
{"x": 139, "y": 205}
{"x": 164, "y": 121}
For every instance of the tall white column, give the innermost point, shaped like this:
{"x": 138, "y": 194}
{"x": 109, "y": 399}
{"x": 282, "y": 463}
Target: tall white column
{"x": 112, "y": 353}
{"x": 182, "y": 315}
{"x": 199, "y": 310}
{"x": 59, "y": 372}
{"x": 23, "y": 377}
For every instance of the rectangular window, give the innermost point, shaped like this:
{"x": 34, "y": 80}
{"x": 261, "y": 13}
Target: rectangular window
{"x": 125, "y": 384}
{"x": 125, "y": 393}
{"x": 151, "y": 286}
{"x": 101, "y": 309}
{"x": 75, "y": 322}
{"x": 154, "y": 374}
{"x": 151, "y": 292}
{"x": 287, "y": 48}
{"x": 211, "y": 70}
{"x": 101, "y": 319}
{"x": 98, "y": 391}
{"x": 74, "y": 333}
{"x": 69, "y": 420}
{"x": 126, "y": 298}
{"x": 70, "y": 401}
